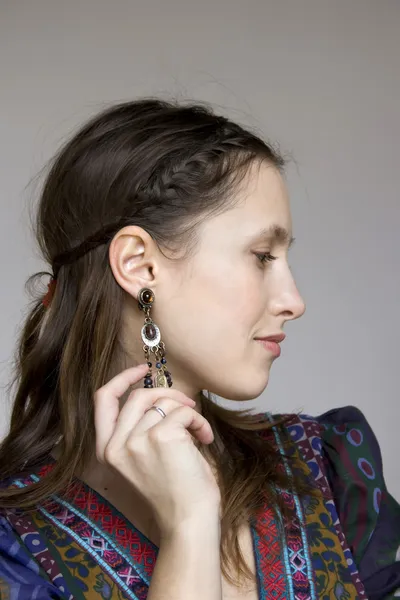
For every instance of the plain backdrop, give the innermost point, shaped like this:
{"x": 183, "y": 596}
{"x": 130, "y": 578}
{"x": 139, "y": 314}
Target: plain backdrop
{"x": 319, "y": 77}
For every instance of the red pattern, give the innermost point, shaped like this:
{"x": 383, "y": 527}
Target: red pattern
{"x": 110, "y": 521}
{"x": 272, "y": 569}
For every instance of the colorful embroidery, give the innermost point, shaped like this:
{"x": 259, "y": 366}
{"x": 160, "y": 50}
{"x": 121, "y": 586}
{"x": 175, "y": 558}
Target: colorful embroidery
{"x": 335, "y": 571}
{"x": 79, "y": 546}
{"x": 94, "y": 543}
{"x": 268, "y": 553}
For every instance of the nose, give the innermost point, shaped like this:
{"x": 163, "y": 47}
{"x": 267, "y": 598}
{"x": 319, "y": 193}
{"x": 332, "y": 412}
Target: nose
{"x": 295, "y": 307}
{"x": 288, "y": 303}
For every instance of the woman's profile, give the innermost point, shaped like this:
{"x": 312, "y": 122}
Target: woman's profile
{"x": 167, "y": 228}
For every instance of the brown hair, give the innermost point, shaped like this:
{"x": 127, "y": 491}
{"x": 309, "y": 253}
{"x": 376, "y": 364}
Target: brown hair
{"x": 162, "y": 166}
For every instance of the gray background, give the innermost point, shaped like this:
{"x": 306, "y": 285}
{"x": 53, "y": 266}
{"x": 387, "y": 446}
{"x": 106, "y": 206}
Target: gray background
{"x": 320, "y": 77}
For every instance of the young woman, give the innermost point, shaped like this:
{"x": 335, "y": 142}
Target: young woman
{"x": 167, "y": 228}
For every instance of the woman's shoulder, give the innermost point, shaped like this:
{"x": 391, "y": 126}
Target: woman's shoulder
{"x": 351, "y": 422}
{"x": 341, "y": 448}
{"x": 341, "y": 418}
{"x": 349, "y": 450}
{"x": 21, "y": 576}
{"x": 337, "y": 431}
{"x": 333, "y": 427}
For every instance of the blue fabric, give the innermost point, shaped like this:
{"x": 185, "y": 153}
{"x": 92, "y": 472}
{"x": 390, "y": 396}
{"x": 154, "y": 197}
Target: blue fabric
{"x": 371, "y": 527}
{"x": 20, "y": 576}
{"x": 369, "y": 515}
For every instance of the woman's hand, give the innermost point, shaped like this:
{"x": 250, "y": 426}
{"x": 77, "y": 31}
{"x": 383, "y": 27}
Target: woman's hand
{"x": 156, "y": 455}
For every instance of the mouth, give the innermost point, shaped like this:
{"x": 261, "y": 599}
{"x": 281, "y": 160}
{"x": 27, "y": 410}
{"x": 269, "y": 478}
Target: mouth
{"x": 271, "y": 343}
{"x": 272, "y": 347}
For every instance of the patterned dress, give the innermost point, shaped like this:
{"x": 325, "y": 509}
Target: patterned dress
{"x": 342, "y": 543}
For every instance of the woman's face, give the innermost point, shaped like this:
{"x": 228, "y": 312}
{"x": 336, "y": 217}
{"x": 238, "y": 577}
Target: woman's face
{"x": 211, "y": 309}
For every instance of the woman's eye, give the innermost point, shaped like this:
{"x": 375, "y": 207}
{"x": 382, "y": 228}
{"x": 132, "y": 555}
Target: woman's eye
{"x": 266, "y": 257}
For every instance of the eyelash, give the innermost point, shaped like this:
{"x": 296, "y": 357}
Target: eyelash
{"x": 265, "y": 257}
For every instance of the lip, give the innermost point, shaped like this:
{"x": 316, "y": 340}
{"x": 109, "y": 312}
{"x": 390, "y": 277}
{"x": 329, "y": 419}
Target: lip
{"x": 272, "y": 347}
{"x": 271, "y": 343}
{"x": 276, "y": 337}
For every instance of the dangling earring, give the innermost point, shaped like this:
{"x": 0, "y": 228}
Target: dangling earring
{"x": 151, "y": 337}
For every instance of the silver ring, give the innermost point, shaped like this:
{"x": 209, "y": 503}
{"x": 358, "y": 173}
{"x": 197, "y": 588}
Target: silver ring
{"x": 158, "y": 409}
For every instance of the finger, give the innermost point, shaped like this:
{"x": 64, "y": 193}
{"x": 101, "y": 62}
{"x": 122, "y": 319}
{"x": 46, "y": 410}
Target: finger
{"x": 152, "y": 417}
{"x": 134, "y": 409}
{"x": 106, "y": 404}
{"x": 118, "y": 385}
{"x": 184, "y": 418}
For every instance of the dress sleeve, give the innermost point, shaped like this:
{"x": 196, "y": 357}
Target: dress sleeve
{"x": 21, "y": 578}
{"x": 369, "y": 515}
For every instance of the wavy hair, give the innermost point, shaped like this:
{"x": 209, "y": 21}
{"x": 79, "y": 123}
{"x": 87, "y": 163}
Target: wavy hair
{"x": 163, "y": 166}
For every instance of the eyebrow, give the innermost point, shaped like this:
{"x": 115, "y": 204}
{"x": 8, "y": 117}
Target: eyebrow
{"x": 275, "y": 233}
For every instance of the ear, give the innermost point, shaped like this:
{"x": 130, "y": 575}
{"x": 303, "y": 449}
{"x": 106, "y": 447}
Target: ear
{"x": 133, "y": 259}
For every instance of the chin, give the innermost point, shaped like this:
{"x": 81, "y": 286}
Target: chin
{"x": 252, "y": 391}
{"x": 244, "y": 388}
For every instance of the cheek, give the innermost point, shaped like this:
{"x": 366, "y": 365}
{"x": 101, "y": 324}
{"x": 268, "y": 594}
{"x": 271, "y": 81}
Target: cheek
{"x": 212, "y": 317}
{"x": 210, "y": 332}
{"x": 222, "y": 309}
{"x": 244, "y": 296}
